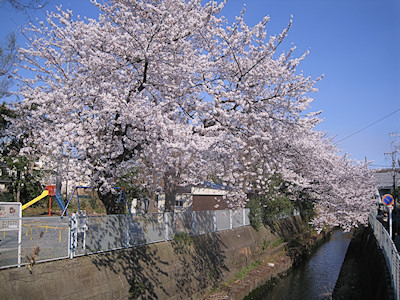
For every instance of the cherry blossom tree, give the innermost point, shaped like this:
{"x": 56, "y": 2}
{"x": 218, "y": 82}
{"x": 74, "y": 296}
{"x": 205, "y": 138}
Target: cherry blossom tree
{"x": 170, "y": 89}
{"x": 344, "y": 189}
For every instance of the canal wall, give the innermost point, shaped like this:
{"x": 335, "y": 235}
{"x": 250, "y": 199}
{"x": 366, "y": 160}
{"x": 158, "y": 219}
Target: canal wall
{"x": 364, "y": 273}
{"x": 261, "y": 278}
{"x": 186, "y": 267}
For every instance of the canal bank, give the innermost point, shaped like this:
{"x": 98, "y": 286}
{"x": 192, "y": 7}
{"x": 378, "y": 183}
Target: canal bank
{"x": 185, "y": 267}
{"x": 364, "y": 274}
{"x": 252, "y": 282}
{"x": 344, "y": 266}
{"x": 315, "y": 275}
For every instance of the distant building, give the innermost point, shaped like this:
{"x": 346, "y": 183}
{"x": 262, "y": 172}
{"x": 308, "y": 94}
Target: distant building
{"x": 384, "y": 180}
{"x": 208, "y": 196}
{"x": 4, "y": 181}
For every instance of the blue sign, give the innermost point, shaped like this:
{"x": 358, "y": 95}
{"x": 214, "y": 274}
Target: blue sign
{"x": 387, "y": 199}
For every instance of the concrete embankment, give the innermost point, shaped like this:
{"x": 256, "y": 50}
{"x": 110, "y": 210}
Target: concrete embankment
{"x": 364, "y": 274}
{"x": 261, "y": 278}
{"x": 187, "y": 267}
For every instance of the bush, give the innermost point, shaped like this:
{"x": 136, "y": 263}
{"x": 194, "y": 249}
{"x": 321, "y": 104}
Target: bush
{"x": 256, "y": 212}
{"x": 183, "y": 238}
{"x": 281, "y": 206}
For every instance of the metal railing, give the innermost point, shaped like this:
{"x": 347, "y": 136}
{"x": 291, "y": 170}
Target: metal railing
{"x": 50, "y": 238}
{"x": 389, "y": 251}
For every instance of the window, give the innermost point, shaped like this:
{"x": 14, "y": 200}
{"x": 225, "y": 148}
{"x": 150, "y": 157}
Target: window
{"x": 180, "y": 200}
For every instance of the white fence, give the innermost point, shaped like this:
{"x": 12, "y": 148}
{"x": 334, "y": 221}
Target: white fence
{"x": 50, "y": 238}
{"x": 389, "y": 251}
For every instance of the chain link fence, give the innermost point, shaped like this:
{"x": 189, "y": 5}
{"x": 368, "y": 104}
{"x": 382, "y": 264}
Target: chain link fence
{"x": 389, "y": 251}
{"x": 50, "y": 238}
{"x": 42, "y": 239}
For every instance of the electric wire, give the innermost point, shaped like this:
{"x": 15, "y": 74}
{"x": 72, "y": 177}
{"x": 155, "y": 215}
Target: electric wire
{"x": 354, "y": 133}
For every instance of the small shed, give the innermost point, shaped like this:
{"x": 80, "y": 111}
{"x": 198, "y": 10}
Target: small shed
{"x": 208, "y": 196}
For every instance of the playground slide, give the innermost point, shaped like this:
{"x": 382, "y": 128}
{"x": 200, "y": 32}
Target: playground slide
{"x": 44, "y": 194}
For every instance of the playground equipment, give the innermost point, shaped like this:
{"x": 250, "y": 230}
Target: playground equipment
{"x": 82, "y": 213}
{"x": 122, "y": 194}
{"x": 44, "y": 194}
{"x": 76, "y": 191}
{"x": 79, "y": 196}
{"x": 51, "y": 191}
{"x": 81, "y": 220}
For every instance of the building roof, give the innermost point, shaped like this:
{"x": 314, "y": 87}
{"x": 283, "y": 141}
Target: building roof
{"x": 207, "y": 188}
{"x": 384, "y": 178}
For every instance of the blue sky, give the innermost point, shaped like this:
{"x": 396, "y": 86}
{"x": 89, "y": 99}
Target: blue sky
{"x": 354, "y": 43}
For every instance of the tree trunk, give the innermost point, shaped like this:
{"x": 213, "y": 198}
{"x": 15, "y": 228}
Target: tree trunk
{"x": 111, "y": 204}
{"x": 170, "y": 194}
{"x": 18, "y": 187}
{"x": 170, "y": 201}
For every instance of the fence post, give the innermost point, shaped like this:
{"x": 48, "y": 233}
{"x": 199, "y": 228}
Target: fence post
{"x": 230, "y": 219}
{"x": 69, "y": 239}
{"x": 19, "y": 236}
{"x": 128, "y": 232}
{"x": 215, "y": 221}
{"x": 73, "y": 236}
{"x": 166, "y": 225}
{"x": 244, "y": 217}
{"x": 194, "y": 222}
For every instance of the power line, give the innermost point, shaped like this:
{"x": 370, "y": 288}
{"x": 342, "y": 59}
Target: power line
{"x": 368, "y": 126}
{"x": 381, "y": 166}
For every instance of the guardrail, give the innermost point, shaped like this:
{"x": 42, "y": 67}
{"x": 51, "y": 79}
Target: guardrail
{"x": 389, "y": 251}
{"x": 51, "y": 238}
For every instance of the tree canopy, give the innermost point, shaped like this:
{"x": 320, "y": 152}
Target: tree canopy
{"x": 170, "y": 89}
{"x": 8, "y": 53}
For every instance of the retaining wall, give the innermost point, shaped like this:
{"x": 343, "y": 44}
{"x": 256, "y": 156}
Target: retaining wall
{"x": 364, "y": 273}
{"x": 185, "y": 267}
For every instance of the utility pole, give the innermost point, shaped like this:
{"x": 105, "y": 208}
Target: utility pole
{"x": 394, "y": 174}
{"x": 393, "y": 157}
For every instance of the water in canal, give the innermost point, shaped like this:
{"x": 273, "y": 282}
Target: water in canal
{"x": 316, "y": 277}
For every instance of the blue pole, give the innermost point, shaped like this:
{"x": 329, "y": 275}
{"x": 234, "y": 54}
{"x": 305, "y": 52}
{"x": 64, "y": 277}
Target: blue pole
{"x": 126, "y": 201}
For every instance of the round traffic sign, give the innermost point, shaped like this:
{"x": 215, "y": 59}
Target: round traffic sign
{"x": 387, "y": 199}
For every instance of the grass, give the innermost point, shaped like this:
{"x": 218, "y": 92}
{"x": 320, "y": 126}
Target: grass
{"x": 277, "y": 242}
{"x": 242, "y": 273}
{"x": 183, "y": 237}
{"x": 266, "y": 244}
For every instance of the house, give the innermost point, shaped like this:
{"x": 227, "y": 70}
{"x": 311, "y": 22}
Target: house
{"x": 4, "y": 180}
{"x": 384, "y": 180}
{"x": 208, "y": 196}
